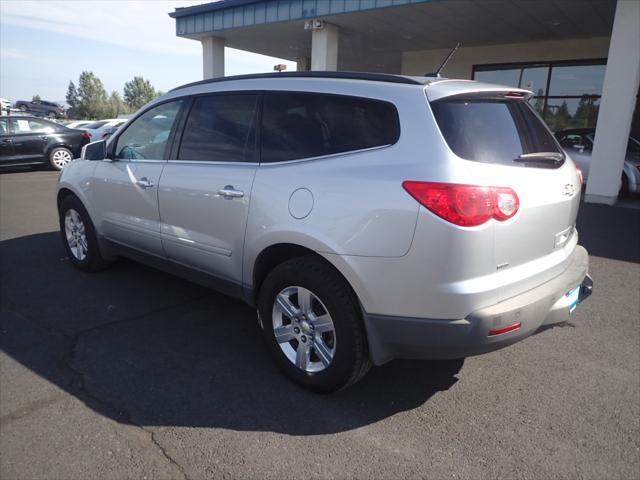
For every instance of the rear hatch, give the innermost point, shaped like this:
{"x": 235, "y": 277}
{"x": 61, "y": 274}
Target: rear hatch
{"x": 506, "y": 144}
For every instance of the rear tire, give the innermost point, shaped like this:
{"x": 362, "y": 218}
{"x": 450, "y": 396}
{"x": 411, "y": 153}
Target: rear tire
{"x": 79, "y": 236}
{"x": 329, "y": 322}
{"x": 60, "y": 157}
{"x": 51, "y": 114}
{"x": 23, "y": 108}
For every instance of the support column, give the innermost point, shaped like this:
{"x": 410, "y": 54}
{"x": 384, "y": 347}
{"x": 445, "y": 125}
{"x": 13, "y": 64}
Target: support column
{"x": 303, "y": 64}
{"x": 212, "y": 57}
{"x": 616, "y": 106}
{"x": 324, "y": 48}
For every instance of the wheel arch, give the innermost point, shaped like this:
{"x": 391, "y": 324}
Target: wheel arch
{"x": 275, "y": 254}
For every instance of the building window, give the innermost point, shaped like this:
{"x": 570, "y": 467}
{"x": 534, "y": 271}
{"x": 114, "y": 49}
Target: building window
{"x": 566, "y": 94}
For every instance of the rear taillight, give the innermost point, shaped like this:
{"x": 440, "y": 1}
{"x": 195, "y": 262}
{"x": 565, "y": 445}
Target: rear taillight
{"x": 465, "y": 205}
{"x": 86, "y": 135}
{"x": 580, "y": 176}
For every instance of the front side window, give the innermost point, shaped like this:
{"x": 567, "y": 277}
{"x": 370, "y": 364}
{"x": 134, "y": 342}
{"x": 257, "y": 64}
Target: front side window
{"x": 305, "y": 125}
{"x": 28, "y": 125}
{"x": 147, "y": 136}
{"x": 220, "y": 128}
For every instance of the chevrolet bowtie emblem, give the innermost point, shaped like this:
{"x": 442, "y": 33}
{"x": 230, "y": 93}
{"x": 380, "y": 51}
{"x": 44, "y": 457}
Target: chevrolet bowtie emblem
{"x": 569, "y": 190}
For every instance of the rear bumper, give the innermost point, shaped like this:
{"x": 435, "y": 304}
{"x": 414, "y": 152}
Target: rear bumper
{"x": 546, "y": 304}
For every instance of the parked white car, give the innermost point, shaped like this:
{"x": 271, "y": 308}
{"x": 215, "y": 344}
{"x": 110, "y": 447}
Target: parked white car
{"x": 4, "y": 105}
{"x": 97, "y": 129}
{"x": 79, "y": 124}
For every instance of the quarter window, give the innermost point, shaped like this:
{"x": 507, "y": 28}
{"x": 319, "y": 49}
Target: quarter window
{"x": 147, "y": 136}
{"x": 305, "y": 125}
{"x": 220, "y": 128}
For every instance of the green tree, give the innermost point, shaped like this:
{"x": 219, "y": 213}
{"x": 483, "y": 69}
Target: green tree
{"x": 72, "y": 100}
{"x": 115, "y": 106}
{"x": 586, "y": 113}
{"x": 91, "y": 96}
{"x": 138, "y": 92}
{"x": 36, "y": 98}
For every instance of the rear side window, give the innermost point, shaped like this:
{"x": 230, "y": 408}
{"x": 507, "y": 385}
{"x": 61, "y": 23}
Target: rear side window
{"x": 220, "y": 128}
{"x": 305, "y": 125}
{"x": 492, "y": 131}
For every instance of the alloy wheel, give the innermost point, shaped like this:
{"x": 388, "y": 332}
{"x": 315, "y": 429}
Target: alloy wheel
{"x": 75, "y": 233}
{"x": 304, "y": 329}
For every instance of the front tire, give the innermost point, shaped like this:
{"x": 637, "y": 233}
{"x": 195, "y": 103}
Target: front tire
{"x": 312, "y": 324}
{"x": 60, "y": 157}
{"x": 79, "y": 236}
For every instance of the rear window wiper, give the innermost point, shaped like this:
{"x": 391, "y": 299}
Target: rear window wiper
{"x": 550, "y": 159}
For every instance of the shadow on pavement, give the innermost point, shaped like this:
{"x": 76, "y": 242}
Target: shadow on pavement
{"x": 144, "y": 347}
{"x": 610, "y": 232}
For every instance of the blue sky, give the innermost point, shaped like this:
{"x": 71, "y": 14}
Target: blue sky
{"x": 45, "y": 44}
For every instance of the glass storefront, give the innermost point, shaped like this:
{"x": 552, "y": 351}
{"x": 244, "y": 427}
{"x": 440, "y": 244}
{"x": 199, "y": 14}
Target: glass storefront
{"x": 566, "y": 94}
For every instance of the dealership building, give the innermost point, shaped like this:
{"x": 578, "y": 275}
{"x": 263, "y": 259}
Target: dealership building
{"x": 580, "y": 58}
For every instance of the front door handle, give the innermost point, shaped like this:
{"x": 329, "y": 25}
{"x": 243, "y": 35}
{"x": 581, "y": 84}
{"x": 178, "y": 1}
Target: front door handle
{"x": 7, "y": 140}
{"x": 144, "y": 183}
{"x": 229, "y": 192}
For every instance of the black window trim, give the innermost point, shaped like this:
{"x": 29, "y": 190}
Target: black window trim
{"x": 111, "y": 150}
{"x": 177, "y": 138}
{"x": 180, "y": 124}
{"x": 331, "y": 155}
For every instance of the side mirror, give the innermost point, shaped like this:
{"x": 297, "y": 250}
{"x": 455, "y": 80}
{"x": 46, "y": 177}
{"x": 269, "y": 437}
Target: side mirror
{"x": 94, "y": 151}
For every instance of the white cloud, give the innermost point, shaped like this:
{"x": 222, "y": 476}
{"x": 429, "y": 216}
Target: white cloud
{"x": 142, "y": 25}
{"x": 12, "y": 53}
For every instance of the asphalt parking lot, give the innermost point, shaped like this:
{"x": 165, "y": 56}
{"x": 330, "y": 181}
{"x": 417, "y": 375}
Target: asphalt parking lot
{"x": 132, "y": 373}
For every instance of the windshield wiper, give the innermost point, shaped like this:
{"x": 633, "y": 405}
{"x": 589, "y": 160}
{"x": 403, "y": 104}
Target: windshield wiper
{"x": 542, "y": 158}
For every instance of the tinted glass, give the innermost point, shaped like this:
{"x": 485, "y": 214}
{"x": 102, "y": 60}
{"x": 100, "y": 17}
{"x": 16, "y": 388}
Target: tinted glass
{"x": 24, "y": 125}
{"x": 563, "y": 113}
{"x": 535, "y": 80}
{"x": 4, "y": 126}
{"x": 147, "y": 136}
{"x": 305, "y": 125}
{"x": 577, "y": 80}
{"x": 492, "y": 131}
{"x": 220, "y": 128}
{"x": 509, "y": 77}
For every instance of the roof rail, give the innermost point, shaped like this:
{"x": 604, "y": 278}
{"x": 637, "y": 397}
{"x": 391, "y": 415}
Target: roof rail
{"x": 376, "y": 77}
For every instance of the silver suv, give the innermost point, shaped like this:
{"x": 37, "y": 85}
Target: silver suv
{"x": 366, "y": 216}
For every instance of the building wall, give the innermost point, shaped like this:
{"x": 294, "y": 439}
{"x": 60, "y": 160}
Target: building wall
{"x": 420, "y": 62}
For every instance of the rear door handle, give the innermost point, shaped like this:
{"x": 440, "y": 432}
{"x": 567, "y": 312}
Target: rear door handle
{"x": 229, "y": 192}
{"x": 144, "y": 183}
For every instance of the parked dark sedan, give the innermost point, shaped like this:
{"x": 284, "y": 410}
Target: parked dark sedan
{"x": 29, "y": 141}
{"x": 41, "y": 107}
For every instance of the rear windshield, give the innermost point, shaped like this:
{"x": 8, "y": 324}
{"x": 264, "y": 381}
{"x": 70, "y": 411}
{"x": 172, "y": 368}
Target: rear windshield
{"x": 492, "y": 131}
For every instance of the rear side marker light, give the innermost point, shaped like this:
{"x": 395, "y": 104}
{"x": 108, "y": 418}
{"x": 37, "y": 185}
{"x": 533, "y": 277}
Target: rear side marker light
{"x": 507, "y": 329}
{"x": 465, "y": 205}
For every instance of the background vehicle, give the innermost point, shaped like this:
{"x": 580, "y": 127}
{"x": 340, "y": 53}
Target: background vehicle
{"x": 579, "y": 144}
{"x": 41, "y": 107}
{"x": 30, "y": 141}
{"x": 78, "y": 123}
{"x": 97, "y": 129}
{"x": 4, "y": 105}
{"x": 110, "y": 131}
{"x": 367, "y": 216}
